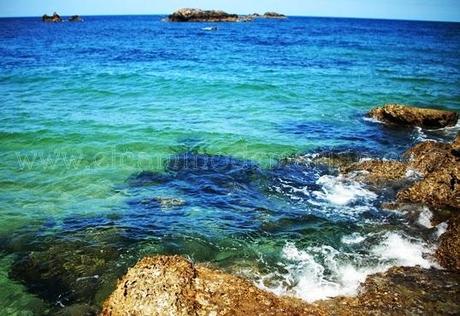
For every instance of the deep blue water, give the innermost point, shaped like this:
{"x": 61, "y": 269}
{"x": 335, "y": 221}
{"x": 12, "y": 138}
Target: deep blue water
{"x": 128, "y": 136}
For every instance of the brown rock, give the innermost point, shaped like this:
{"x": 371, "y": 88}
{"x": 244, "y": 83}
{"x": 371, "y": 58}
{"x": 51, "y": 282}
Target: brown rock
{"x": 402, "y": 115}
{"x": 378, "y": 171}
{"x": 448, "y": 252}
{"x": 456, "y": 146}
{"x": 440, "y": 189}
{"x": 402, "y": 291}
{"x": 174, "y": 286}
{"x": 197, "y": 15}
{"x": 430, "y": 156}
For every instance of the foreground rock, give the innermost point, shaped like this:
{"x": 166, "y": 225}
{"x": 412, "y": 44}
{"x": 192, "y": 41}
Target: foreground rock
{"x": 401, "y": 115}
{"x": 429, "y": 175}
{"x": 174, "y": 286}
{"x": 53, "y": 18}
{"x": 197, "y": 15}
{"x": 402, "y": 291}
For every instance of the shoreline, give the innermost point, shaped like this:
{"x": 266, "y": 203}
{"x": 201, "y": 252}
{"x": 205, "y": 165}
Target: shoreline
{"x": 396, "y": 290}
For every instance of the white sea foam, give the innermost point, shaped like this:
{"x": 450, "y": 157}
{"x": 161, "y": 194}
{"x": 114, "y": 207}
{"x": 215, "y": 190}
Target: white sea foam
{"x": 413, "y": 174}
{"x": 441, "y": 229}
{"x": 424, "y": 218}
{"x": 372, "y": 120}
{"x": 320, "y": 272}
{"x": 341, "y": 191}
{"x": 354, "y": 238}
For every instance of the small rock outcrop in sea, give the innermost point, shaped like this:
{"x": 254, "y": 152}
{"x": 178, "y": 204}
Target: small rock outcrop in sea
{"x": 53, "y": 18}
{"x": 174, "y": 286}
{"x": 197, "y": 15}
{"x": 75, "y": 18}
{"x": 274, "y": 15}
{"x": 402, "y": 115}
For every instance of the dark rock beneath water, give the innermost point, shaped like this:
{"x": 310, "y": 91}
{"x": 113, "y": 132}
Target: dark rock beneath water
{"x": 53, "y": 18}
{"x": 402, "y": 115}
{"x": 197, "y": 15}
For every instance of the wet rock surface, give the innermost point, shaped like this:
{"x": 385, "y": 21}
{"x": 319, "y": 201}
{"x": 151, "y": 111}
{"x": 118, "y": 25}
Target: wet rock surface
{"x": 402, "y": 115}
{"x": 377, "y": 171}
{"x": 448, "y": 252}
{"x": 197, "y": 15}
{"x": 402, "y": 291}
{"x": 174, "y": 286}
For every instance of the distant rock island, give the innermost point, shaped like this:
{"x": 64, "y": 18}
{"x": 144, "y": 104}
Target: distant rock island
{"x": 55, "y": 18}
{"x": 198, "y": 15}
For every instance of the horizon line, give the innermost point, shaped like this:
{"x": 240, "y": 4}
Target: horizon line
{"x": 294, "y": 16}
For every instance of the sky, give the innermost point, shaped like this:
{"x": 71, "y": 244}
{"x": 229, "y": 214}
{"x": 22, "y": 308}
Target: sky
{"x": 433, "y": 10}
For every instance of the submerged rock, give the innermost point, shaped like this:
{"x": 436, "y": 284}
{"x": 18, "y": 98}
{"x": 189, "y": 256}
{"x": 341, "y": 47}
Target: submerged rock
{"x": 197, "y": 15}
{"x": 402, "y": 115}
{"x": 174, "y": 286}
{"x": 53, "y": 18}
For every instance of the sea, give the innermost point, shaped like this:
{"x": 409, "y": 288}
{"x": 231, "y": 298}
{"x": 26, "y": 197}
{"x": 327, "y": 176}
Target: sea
{"x": 128, "y": 136}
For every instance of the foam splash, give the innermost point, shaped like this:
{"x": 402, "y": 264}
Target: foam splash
{"x": 354, "y": 238}
{"x": 424, "y": 218}
{"x": 342, "y": 191}
{"x": 322, "y": 272}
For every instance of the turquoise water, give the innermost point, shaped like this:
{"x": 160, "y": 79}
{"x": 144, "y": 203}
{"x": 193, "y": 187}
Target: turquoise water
{"x": 128, "y": 136}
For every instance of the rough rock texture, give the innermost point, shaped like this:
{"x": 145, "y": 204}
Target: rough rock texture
{"x": 402, "y": 291}
{"x": 440, "y": 188}
{"x": 448, "y": 252}
{"x": 197, "y": 15}
{"x": 430, "y": 156}
{"x": 174, "y": 286}
{"x": 456, "y": 146}
{"x": 378, "y": 171}
{"x": 402, "y": 115}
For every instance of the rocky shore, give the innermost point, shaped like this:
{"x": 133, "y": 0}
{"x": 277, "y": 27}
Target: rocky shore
{"x": 428, "y": 175}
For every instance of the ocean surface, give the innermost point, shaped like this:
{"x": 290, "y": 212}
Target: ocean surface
{"x": 127, "y": 136}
